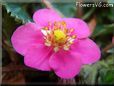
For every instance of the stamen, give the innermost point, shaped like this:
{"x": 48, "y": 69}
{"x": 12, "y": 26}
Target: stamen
{"x": 44, "y": 32}
{"x": 63, "y": 23}
{"x": 74, "y": 36}
{"x": 46, "y": 28}
{"x": 48, "y": 44}
{"x": 56, "y": 49}
{"x": 66, "y": 48}
{"x": 58, "y": 36}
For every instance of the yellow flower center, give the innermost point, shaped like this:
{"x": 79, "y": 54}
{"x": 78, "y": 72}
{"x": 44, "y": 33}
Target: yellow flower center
{"x": 59, "y": 36}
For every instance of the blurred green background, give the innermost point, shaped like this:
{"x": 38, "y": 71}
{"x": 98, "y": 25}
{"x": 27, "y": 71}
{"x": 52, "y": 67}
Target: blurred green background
{"x": 100, "y": 21}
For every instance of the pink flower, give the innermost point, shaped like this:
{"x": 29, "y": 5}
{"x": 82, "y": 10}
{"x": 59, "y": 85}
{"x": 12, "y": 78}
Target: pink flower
{"x": 56, "y": 44}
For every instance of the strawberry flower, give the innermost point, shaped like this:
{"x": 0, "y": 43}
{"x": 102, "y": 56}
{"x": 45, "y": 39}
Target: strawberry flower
{"x": 52, "y": 43}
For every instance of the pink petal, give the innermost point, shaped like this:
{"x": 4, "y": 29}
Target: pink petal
{"x": 25, "y": 36}
{"x": 44, "y": 16}
{"x": 65, "y": 64}
{"x": 38, "y": 57}
{"x": 89, "y": 51}
{"x": 81, "y": 28}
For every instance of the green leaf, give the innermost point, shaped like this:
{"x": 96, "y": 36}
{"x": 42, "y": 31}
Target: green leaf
{"x": 18, "y": 11}
{"x": 103, "y": 30}
{"x": 106, "y": 76}
{"x": 88, "y": 13}
{"x": 67, "y": 9}
{"x": 111, "y": 14}
{"x": 90, "y": 72}
{"x": 9, "y": 25}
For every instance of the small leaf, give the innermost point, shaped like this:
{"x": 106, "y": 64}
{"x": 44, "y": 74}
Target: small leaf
{"x": 90, "y": 72}
{"x": 18, "y": 11}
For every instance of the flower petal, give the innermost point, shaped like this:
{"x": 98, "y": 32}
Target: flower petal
{"x": 65, "y": 64}
{"x": 44, "y": 16}
{"x": 38, "y": 57}
{"x": 80, "y": 27}
{"x": 26, "y": 36}
{"x": 88, "y": 50}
